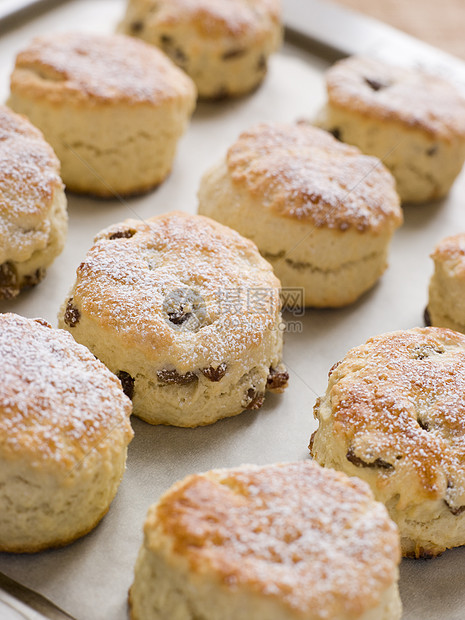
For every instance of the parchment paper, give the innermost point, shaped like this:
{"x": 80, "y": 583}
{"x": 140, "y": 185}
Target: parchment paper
{"x": 90, "y": 578}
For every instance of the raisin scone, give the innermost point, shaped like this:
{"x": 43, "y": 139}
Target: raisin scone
{"x": 223, "y": 46}
{"x": 112, "y": 107}
{"x": 394, "y": 415}
{"x": 446, "y": 303}
{"x": 33, "y": 214}
{"x": 319, "y": 211}
{"x": 186, "y": 312}
{"x": 64, "y": 431}
{"x": 290, "y": 541}
{"x": 413, "y": 121}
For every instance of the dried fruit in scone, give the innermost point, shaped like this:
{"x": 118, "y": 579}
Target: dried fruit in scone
{"x": 186, "y": 312}
{"x": 394, "y": 415}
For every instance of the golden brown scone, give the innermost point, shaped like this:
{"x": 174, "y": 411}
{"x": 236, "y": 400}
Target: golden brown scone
{"x": 394, "y": 415}
{"x": 446, "y": 304}
{"x": 186, "y": 312}
{"x": 112, "y": 107}
{"x": 223, "y": 46}
{"x": 321, "y": 212}
{"x": 413, "y": 121}
{"x": 289, "y": 541}
{"x": 33, "y": 217}
{"x": 64, "y": 430}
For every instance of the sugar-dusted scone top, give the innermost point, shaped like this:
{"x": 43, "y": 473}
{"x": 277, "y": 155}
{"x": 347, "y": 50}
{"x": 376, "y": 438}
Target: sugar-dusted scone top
{"x": 277, "y": 541}
{"x": 412, "y": 120}
{"x": 33, "y": 219}
{"x": 392, "y": 93}
{"x": 320, "y": 211}
{"x": 394, "y": 415}
{"x": 186, "y": 312}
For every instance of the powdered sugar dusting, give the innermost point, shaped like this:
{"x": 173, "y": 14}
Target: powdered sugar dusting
{"x": 408, "y": 96}
{"x": 302, "y": 172}
{"x": 123, "y": 283}
{"x": 312, "y": 537}
{"x": 400, "y": 398}
{"x": 57, "y": 402}
{"x": 216, "y": 19}
{"x": 29, "y": 178}
{"x": 80, "y": 67}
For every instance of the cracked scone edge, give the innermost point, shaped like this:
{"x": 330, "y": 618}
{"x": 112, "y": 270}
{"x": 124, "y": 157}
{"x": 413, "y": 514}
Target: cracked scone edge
{"x": 113, "y": 108}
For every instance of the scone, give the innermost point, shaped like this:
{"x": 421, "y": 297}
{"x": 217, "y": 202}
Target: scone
{"x": 414, "y": 122}
{"x": 33, "y": 217}
{"x": 64, "y": 429}
{"x": 319, "y": 211}
{"x": 394, "y": 415}
{"x": 446, "y": 304}
{"x": 112, "y": 107}
{"x": 223, "y": 46}
{"x": 289, "y": 541}
{"x": 186, "y": 312}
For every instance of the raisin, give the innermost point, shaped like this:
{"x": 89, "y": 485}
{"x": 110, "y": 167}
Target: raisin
{"x": 375, "y": 84}
{"x": 261, "y": 65}
{"x": 423, "y": 424}
{"x": 137, "y": 26}
{"x": 34, "y": 278}
{"x": 72, "y": 314}
{"x": 8, "y": 281}
{"x": 358, "y": 462}
{"x": 236, "y": 53}
{"x": 277, "y": 379}
{"x": 178, "y": 317}
{"x": 214, "y": 374}
{"x": 254, "y": 399}
{"x": 127, "y": 382}
{"x": 455, "y": 511}
{"x": 172, "y": 377}
{"x": 122, "y": 234}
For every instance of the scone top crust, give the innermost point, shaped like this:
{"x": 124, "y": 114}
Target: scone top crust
{"x": 29, "y": 179}
{"x": 398, "y": 401}
{"x": 416, "y": 99}
{"x": 450, "y": 252}
{"x": 135, "y": 272}
{"x": 299, "y": 171}
{"x": 87, "y": 68}
{"x": 213, "y": 20}
{"x": 57, "y": 402}
{"x": 310, "y": 537}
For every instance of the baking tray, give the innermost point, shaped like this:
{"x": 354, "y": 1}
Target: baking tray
{"x": 89, "y": 579}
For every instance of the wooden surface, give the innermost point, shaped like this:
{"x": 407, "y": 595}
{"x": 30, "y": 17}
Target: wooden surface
{"x": 437, "y": 22}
